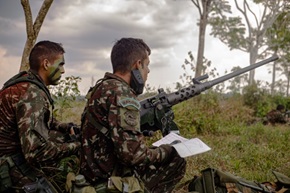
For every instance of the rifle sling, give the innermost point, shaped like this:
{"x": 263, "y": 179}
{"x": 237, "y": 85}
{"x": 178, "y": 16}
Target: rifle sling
{"x": 18, "y": 160}
{"x": 91, "y": 119}
{"x": 96, "y": 124}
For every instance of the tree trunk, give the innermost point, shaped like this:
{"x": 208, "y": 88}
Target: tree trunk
{"x": 288, "y": 80}
{"x": 201, "y": 40}
{"x": 202, "y": 29}
{"x": 32, "y": 30}
{"x": 273, "y": 78}
{"x": 253, "y": 58}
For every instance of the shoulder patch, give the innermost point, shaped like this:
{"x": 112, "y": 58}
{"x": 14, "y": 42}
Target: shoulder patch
{"x": 130, "y": 102}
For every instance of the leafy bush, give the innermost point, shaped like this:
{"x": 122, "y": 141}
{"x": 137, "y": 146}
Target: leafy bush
{"x": 261, "y": 101}
{"x": 64, "y": 94}
{"x": 257, "y": 99}
{"x": 209, "y": 112}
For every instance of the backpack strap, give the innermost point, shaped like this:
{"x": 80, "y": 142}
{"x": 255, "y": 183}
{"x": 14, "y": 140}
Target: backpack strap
{"x": 283, "y": 190}
{"x": 208, "y": 180}
{"x": 85, "y": 114}
{"x": 30, "y": 77}
{"x": 283, "y": 179}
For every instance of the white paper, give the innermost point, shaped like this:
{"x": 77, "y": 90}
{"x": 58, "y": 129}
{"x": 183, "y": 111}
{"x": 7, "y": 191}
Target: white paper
{"x": 185, "y": 147}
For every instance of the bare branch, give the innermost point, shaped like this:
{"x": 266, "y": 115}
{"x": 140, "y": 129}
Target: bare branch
{"x": 246, "y": 15}
{"x": 32, "y": 29}
{"x": 28, "y": 18}
{"x": 248, "y": 7}
{"x": 196, "y": 3}
{"x": 238, "y": 7}
{"x": 29, "y": 33}
{"x": 41, "y": 15}
{"x": 270, "y": 18}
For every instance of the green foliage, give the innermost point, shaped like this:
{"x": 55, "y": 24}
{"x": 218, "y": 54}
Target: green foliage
{"x": 251, "y": 151}
{"x": 279, "y": 99}
{"x": 278, "y": 39}
{"x": 230, "y": 30}
{"x": 237, "y": 83}
{"x": 257, "y": 99}
{"x": 66, "y": 88}
{"x": 209, "y": 112}
{"x": 64, "y": 93}
{"x": 261, "y": 101}
{"x": 189, "y": 67}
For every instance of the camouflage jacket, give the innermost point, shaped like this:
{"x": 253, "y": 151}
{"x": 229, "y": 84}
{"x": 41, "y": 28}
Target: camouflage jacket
{"x": 26, "y": 125}
{"x": 276, "y": 116}
{"x": 116, "y": 137}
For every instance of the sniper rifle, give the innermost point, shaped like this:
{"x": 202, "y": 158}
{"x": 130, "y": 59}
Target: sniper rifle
{"x": 156, "y": 113}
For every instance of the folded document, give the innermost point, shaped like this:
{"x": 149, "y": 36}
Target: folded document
{"x": 184, "y": 147}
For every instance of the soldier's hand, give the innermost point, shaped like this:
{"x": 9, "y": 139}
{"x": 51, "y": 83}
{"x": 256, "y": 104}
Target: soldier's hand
{"x": 74, "y": 131}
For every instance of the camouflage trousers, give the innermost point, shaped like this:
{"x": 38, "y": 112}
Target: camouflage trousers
{"x": 162, "y": 178}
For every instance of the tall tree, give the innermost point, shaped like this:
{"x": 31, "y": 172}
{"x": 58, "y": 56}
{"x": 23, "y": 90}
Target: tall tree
{"x": 278, "y": 38}
{"x": 32, "y": 29}
{"x": 250, "y": 35}
{"x": 203, "y": 10}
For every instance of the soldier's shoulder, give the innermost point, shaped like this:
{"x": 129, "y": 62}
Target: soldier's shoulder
{"x": 129, "y": 102}
{"x": 272, "y": 112}
{"x": 118, "y": 87}
{"x": 16, "y": 89}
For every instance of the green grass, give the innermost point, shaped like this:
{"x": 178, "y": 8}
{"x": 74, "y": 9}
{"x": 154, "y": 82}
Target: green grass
{"x": 251, "y": 151}
{"x": 240, "y": 144}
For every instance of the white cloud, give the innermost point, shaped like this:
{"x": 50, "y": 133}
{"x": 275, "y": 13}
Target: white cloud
{"x": 9, "y": 65}
{"x": 88, "y": 29}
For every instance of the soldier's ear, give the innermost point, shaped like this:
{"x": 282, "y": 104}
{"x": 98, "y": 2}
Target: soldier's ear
{"x": 134, "y": 66}
{"x": 45, "y": 64}
{"x": 139, "y": 65}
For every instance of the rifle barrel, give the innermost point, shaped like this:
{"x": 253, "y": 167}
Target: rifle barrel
{"x": 195, "y": 89}
{"x": 243, "y": 70}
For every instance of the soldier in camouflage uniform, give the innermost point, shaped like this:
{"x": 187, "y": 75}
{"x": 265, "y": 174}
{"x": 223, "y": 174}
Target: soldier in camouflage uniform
{"x": 27, "y": 130}
{"x": 111, "y": 138}
{"x": 276, "y": 116}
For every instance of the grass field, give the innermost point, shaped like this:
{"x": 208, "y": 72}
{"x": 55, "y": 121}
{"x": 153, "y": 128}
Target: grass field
{"x": 241, "y": 146}
{"x": 251, "y": 152}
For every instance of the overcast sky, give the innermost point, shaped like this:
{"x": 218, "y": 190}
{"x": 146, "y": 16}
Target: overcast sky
{"x": 88, "y": 29}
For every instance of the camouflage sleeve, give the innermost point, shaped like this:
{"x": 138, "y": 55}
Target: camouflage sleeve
{"x": 281, "y": 118}
{"x": 128, "y": 141}
{"x": 32, "y": 117}
{"x": 276, "y": 116}
{"x": 60, "y": 126}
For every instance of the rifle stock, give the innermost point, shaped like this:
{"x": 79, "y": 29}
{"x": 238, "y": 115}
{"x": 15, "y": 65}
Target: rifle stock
{"x": 156, "y": 113}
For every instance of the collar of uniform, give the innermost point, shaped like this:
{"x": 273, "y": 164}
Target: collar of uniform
{"x": 109, "y": 75}
{"x": 33, "y": 74}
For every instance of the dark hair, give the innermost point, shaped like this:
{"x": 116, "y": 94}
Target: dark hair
{"x": 44, "y": 50}
{"x": 280, "y": 107}
{"x": 126, "y": 52}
